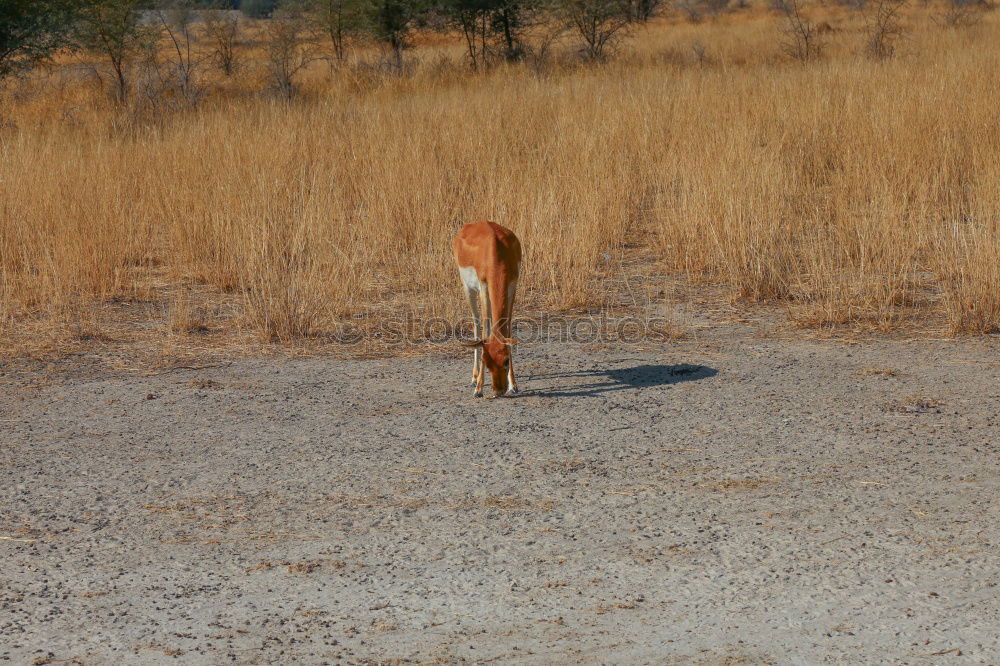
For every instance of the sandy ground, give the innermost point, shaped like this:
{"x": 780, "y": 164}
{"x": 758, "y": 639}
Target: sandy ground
{"x": 725, "y": 500}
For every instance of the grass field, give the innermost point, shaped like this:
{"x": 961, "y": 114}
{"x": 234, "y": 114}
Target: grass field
{"x": 855, "y": 193}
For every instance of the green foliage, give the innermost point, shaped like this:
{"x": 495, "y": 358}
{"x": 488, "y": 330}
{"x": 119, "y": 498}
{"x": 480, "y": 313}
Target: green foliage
{"x": 30, "y": 30}
{"x": 338, "y": 20}
{"x": 643, "y": 10}
{"x": 390, "y": 23}
{"x": 492, "y": 28}
{"x": 112, "y": 30}
{"x": 258, "y": 8}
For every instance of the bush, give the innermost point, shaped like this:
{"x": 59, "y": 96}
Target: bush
{"x": 30, "y": 30}
{"x": 884, "y": 28}
{"x": 258, "y": 8}
{"x": 801, "y": 37}
{"x": 600, "y": 24}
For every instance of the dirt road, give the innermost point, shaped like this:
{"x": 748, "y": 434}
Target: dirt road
{"x": 725, "y": 500}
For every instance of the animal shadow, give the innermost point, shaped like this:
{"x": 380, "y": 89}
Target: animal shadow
{"x": 618, "y": 379}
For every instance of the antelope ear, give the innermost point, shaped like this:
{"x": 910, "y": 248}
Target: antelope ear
{"x": 477, "y": 343}
{"x": 508, "y": 341}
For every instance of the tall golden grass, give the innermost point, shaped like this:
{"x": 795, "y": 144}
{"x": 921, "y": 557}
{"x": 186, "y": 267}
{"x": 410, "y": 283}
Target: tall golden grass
{"x": 857, "y": 193}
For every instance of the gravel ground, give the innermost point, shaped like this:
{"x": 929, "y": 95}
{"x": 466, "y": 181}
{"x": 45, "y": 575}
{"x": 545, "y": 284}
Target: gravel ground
{"x": 727, "y": 500}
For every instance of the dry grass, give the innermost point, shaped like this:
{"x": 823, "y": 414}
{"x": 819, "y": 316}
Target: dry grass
{"x": 858, "y": 193}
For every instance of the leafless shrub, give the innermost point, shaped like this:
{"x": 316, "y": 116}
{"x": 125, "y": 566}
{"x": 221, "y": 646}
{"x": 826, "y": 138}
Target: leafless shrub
{"x": 289, "y": 49}
{"x": 701, "y": 53}
{"x": 695, "y": 10}
{"x": 538, "y": 47}
{"x": 177, "y": 20}
{"x": 800, "y": 39}
{"x": 222, "y": 29}
{"x": 962, "y": 13}
{"x": 600, "y": 24}
{"x": 715, "y": 7}
{"x": 884, "y": 28}
{"x": 692, "y": 9}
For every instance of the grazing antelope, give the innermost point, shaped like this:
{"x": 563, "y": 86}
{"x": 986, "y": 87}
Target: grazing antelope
{"x": 489, "y": 257}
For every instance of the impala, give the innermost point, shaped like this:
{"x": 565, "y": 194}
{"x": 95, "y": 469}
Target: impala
{"x": 489, "y": 257}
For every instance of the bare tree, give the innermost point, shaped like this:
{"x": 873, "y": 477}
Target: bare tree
{"x": 801, "y": 40}
{"x": 289, "y": 49}
{"x": 177, "y": 19}
{"x": 222, "y": 28}
{"x": 884, "y": 28}
{"x": 600, "y": 24}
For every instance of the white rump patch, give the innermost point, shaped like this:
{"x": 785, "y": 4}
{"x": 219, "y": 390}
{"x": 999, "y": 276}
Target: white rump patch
{"x": 469, "y": 277}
